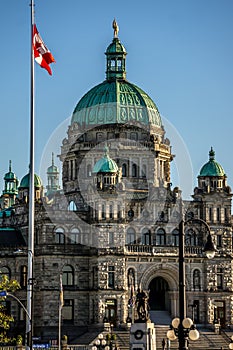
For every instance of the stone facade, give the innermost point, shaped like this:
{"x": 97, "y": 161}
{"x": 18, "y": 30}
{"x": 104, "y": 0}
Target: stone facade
{"x": 107, "y": 241}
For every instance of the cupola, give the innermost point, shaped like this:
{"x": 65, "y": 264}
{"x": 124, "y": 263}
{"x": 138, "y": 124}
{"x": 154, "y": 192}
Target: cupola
{"x": 53, "y": 179}
{"x": 105, "y": 172}
{"x": 10, "y": 189}
{"x": 116, "y": 55}
{"x": 24, "y": 188}
{"x": 212, "y": 176}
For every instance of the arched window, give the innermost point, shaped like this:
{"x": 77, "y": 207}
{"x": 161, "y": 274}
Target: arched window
{"x": 5, "y": 271}
{"x": 59, "y": 236}
{"x": 67, "y": 276}
{"x": 99, "y": 136}
{"x": 75, "y": 236}
{"x": 103, "y": 212}
{"x": 161, "y": 216}
{"x": 88, "y": 170}
{"x": 189, "y": 215}
{"x": 196, "y": 279}
{"x": 110, "y": 211}
{"x": 133, "y": 136}
{"x": 146, "y": 236}
{"x": 131, "y": 236}
{"x": 72, "y": 206}
{"x": 23, "y": 276}
{"x": 124, "y": 170}
{"x": 175, "y": 237}
{"x": 160, "y": 237}
{"x": 134, "y": 170}
{"x": 144, "y": 171}
{"x": 190, "y": 237}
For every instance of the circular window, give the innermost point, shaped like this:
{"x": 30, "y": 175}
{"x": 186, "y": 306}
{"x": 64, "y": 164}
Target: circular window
{"x": 138, "y": 334}
{"x": 131, "y": 213}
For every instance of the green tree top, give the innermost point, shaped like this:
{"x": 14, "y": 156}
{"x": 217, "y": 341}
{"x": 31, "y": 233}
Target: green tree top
{"x": 6, "y": 319}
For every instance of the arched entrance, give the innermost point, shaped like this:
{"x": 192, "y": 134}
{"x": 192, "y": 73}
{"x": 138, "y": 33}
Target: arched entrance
{"x": 158, "y": 296}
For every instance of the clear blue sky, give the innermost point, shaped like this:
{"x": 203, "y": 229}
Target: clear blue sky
{"x": 179, "y": 51}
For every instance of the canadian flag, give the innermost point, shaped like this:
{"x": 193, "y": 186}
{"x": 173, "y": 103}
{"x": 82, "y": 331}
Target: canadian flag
{"x": 42, "y": 54}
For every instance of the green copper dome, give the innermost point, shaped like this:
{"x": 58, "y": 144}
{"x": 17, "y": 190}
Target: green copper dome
{"x": 105, "y": 164}
{"x": 26, "y": 180}
{"x": 116, "y": 100}
{"x": 212, "y": 168}
{"x": 10, "y": 176}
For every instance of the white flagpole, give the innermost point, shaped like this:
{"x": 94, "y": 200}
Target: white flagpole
{"x": 29, "y": 327}
{"x": 61, "y": 301}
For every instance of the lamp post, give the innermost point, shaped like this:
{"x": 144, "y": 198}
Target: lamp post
{"x": 30, "y": 284}
{"x": 182, "y": 326}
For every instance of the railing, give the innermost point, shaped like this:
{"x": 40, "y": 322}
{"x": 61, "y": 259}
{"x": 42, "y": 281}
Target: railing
{"x": 162, "y": 250}
{"x": 47, "y": 346}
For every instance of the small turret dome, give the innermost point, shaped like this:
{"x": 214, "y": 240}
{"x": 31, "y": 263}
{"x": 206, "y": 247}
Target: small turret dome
{"x": 212, "y": 168}
{"x": 115, "y": 46}
{"x": 52, "y": 168}
{"x": 26, "y": 181}
{"x": 10, "y": 176}
{"x": 105, "y": 164}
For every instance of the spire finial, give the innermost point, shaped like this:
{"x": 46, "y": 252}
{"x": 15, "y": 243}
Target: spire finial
{"x": 52, "y": 159}
{"x": 9, "y": 165}
{"x": 115, "y": 28}
{"x": 211, "y": 154}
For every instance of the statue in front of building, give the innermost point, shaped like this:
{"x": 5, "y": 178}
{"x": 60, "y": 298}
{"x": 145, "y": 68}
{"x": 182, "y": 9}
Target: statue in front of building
{"x": 142, "y": 307}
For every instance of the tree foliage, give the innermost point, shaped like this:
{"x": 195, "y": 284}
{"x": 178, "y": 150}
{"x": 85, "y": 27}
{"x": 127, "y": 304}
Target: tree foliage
{"x": 5, "y": 318}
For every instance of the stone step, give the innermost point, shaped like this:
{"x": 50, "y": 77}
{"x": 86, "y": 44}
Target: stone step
{"x": 160, "y": 317}
{"x": 208, "y": 339}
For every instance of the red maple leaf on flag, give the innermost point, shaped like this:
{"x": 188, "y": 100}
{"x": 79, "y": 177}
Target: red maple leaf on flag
{"x": 42, "y": 54}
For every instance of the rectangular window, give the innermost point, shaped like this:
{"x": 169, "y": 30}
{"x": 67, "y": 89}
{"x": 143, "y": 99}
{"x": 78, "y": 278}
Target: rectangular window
{"x": 103, "y": 211}
{"x": 23, "y": 276}
{"x": 110, "y": 212}
{"x": 210, "y": 214}
{"x": 219, "y": 240}
{"x": 111, "y": 276}
{"x": 219, "y": 278}
{"x": 111, "y": 238}
{"x": 68, "y": 311}
{"x": 59, "y": 238}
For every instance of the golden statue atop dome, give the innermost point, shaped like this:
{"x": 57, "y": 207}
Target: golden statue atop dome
{"x": 115, "y": 28}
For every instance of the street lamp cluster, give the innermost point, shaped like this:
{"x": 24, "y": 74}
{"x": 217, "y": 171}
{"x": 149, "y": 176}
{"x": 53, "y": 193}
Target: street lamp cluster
{"x": 185, "y": 330}
{"x": 183, "y": 327}
{"x": 104, "y": 344}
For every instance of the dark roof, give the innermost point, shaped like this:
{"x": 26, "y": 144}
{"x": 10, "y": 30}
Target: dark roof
{"x": 11, "y": 237}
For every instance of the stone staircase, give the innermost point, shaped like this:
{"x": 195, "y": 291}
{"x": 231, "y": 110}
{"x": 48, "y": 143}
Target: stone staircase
{"x": 208, "y": 340}
{"x": 122, "y": 339}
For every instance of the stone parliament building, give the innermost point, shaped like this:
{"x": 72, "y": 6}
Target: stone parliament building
{"x": 113, "y": 227}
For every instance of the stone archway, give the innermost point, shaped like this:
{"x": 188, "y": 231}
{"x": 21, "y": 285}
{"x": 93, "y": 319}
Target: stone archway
{"x": 159, "y": 279}
{"x": 158, "y": 294}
